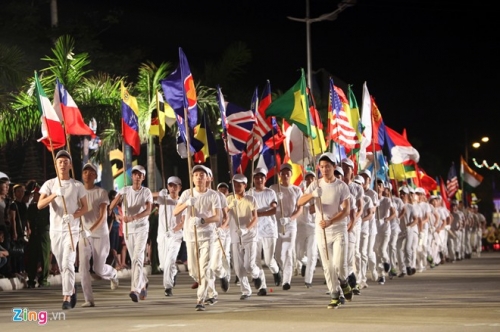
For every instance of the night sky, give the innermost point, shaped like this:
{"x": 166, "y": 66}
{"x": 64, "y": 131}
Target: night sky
{"x": 432, "y": 66}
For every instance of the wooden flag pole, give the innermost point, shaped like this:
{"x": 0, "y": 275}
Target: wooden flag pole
{"x": 276, "y": 172}
{"x": 230, "y": 161}
{"x": 161, "y": 158}
{"x": 191, "y": 190}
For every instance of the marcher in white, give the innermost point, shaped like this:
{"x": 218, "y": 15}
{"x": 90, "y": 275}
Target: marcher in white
{"x": 455, "y": 241}
{"x": 306, "y": 246}
{"x": 354, "y": 228}
{"x": 95, "y": 233}
{"x": 399, "y": 206}
{"x": 423, "y": 235}
{"x": 372, "y": 228}
{"x": 287, "y": 212}
{"x": 203, "y": 211}
{"x": 331, "y": 199}
{"x": 242, "y": 214}
{"x": 169, "y": 232}
{"x": 479, "y": 225}
{"x": 366, "y": 217}
{"x": 267, "y": 227}
{"x": 68, "y": 203}
{"x": 407, "y": 237}
{"x": 412, "y": 236}
{"x": 137, "y": 202}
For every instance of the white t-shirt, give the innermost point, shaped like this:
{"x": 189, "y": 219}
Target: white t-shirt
{"x": 407, "y": 218}
{"x": 365, "y": 225}
{"x": 206, "y": 203}
{"x": 398, "y": 205}
{"x": 417, "y": 211}
{"x": 243, "y": 214}
{"x": 95, "y": 198}
{"x": 268, "y": 228}
{"x": 385, "y": 205}
{"x": 334, "y": 194}
{"x": 426, "y": 210}
{"x": 73, "y": 192}
{"x": 291, "y": 195}
{"x": 166, "y": 216}
{"x": 373, "y": 222}
{"x": 136, "y": 203}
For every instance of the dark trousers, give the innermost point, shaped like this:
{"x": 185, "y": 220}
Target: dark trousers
{"x": 38, "y": 250}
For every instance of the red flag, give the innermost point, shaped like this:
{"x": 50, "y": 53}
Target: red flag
{"x": 444, "y": 196}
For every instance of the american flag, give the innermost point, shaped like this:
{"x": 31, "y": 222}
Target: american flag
{"x": 452, "y": 181}
{"x": 339, "y": 128}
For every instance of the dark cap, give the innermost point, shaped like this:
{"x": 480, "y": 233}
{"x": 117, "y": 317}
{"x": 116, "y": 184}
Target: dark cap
{"x": 63, "y": 153}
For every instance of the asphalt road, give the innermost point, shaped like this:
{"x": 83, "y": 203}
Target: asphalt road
{"x": 464, "y": 296}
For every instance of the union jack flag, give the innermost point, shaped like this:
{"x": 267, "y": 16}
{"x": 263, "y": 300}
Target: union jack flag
{"x": 339, "y": 128}
{"x": 239, "y": 128}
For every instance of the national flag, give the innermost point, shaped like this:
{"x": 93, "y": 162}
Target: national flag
{"x": 170, "y": 117}
{"x": 130, "y": 122}
{"x": 354, "y": 118}
{"x": 157, "y": 127}
{"x": 190, "y": 100}
{"x": 317, "y": 145}
{"x": 203, "y": 134}
{"x": 270, "y": 160}
{"x": 452, "y": 181}
{"x": 297, "y": 172}
{"x": 293, "y": 106}
{"x": 239, "y": 128}
{"x": 471, "y": 179}
{"x": 366, "y": 125}
{"x": 67, "y": 110}
{"x": 296, "y": 145}
{"x": 339, "y": 128}
{"x": 378, "y": 126}
{"x": 423, "y": 180}
{"x": 444, "y": 196}
{"x": 53, "y": 136}
{"x": 255, "y": 143}
{"x": 402, "y": 171}
{"x": 400, "y": 149}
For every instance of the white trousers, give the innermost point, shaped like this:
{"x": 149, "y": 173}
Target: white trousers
{"x": 60, "y": 244}
{"x": 363, "y": 259}
{"x": 333, "y": 256}
{"x": 307, "y": 251}
{"x": 285, "y": 248}
{"x": 393, "y": 248}
{"x": 267, "y": 247}
{"x": 244, "y": 264}
{"x": 96, "y": 248}
{"x": 167, "y": 253}
{"x": 136, "y": 247}
{"x": 202, "y": 260}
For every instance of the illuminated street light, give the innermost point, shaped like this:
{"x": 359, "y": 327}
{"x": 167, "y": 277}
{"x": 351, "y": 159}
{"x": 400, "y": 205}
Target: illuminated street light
{"x": 475, "y": 145}
{"x": 485, "y": 139}
{"x": 325, "y": 17}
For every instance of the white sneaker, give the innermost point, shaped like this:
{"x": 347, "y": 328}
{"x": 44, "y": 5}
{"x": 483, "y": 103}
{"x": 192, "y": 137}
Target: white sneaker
{"x": 88, "y": 305}
{"x": 114, "y": 283}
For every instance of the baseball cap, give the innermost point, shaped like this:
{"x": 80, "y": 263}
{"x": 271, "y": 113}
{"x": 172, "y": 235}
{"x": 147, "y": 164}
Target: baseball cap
{"x": 4, "y": 176}
{"x": 311, "y": 173}
{"x": 63, "y": 153}
{"x": 91, "y": 166}
{"x": 286, "y": 166}
{"x": 348, "y": 162}
{"x": 139, "y": 168}
{"x": 328, "y": 156}
{"x": 419, "y": 190}
{"x": 404, "y": 189}
{"x": 366, "y": 172}
{"x": 200, "y": 168}
{"x": 209, "y": 172}
{"x": 222, "y": 184}
{"x": 260, "y": 170}
{"x": 388, "y": 185}
{"x": 359, "y": 179}
{"x": 338, "y": 169}
{"x": 174, "y": 179}
{"x": 240, "y": 178}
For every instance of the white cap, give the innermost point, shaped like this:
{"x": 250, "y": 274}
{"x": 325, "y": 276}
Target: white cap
{"x": 328, "y": 156}
{"x": 4, "y": 176}
{"x": 366, "y": 172}
{"x": 90, "y": 165}
{"x": 240, "y": 178}
{"x": 348, "y": 162}
{"x": 199, "y": 168}
{"x": 404, "y": 189}
{"x": 209, "y": 172}
{"x": 310, "y": 173}
{"x": 339, "y": 169}
{"x": 222, "y": 184}
{"x": 174, "y": 179}
{"x": 359, "y": 179}
{"x": 63, "y": 153}
{"x": 260, "y": 170}
{"x": 286, "y": 166}
{"x": 388, "y": 185}
{"x": 139, "y": 168}
{"x": 419, "y": 190}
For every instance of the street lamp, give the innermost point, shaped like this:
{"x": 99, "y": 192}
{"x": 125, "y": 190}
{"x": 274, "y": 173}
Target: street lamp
{"x": 330, "y": 17}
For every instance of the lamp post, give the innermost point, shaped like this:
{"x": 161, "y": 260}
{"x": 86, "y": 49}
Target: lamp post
{"x": 330, "y": 17}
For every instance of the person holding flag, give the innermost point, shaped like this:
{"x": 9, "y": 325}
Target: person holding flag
{"x": 67, "y": 200}
{"x": 202, "y": 206}
{"x": 267, "y": 226}
{"x": 138, "y": 202}
{"x": 332, "y": 216}
{"x": 287, "y": 212}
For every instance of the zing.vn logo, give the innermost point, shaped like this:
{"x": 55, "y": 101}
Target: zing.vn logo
{"x": 41, "y": 317}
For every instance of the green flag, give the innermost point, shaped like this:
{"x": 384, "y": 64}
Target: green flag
{"x": 294, "y": 107}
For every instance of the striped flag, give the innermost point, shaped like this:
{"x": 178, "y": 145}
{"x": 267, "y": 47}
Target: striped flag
{"x": 452, "y": 181}
{"x": 339, "y": 128}
{"x": 471, "y": 179}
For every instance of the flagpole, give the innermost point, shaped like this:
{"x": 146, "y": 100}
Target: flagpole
{"x": 124, "y": 173}
{"x": 231, "y": 174}
{"x": 277, "y": 180}
{"x": 164, "y": 185}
